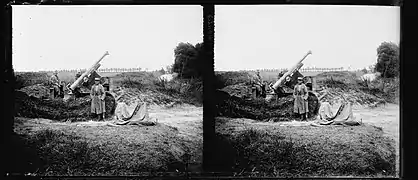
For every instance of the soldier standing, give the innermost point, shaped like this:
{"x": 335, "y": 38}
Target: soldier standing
{"x": 300, "y": 93}
{"x": 259, "y": 84}
{"x": 55, "y": 83}
{"x": 98, "y": 95}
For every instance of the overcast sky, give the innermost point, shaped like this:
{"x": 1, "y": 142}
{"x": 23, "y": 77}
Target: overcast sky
{"x": 253, "y": 37}
{"x": 74, "y": 37}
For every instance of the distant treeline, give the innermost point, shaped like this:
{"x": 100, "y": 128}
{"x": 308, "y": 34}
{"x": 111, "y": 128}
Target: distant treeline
{"x": 117, "y": 70}
{"x": 308, "y": 69}
{"x": 120, "y": 70}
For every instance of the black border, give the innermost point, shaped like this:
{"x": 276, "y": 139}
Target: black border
{"x": 408, "y": 57}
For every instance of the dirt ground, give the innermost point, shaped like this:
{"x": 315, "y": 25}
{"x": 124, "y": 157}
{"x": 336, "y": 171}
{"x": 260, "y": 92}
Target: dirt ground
{"x": 178, "y": 133}
{"x": 188, "y": 120}
{"x": 387, "y": 117}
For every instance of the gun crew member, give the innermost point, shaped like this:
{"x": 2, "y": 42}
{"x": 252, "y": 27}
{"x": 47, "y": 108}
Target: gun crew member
{"x": 98, "y": 95}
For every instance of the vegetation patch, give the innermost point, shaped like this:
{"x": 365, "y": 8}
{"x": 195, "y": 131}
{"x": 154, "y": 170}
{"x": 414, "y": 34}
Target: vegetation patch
{"x": 307, "y": 151}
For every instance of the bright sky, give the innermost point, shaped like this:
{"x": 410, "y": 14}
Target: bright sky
{"x": 268, "y": 36}
{"x": 74, "y": 37}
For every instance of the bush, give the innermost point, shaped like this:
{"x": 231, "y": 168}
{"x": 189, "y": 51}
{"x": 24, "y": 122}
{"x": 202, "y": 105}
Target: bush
{"x": 188, "y": 60}
{"x": 388, "y": 60}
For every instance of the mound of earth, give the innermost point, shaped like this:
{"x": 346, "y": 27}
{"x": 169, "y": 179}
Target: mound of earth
{"x": 56, "y": 109}
{"x": 240, "y": 90}
{"x": 223, "y": 79}
{"x": 30, "y": 78}
{"x": 235, "y": 101}
{"x": 354, "y": 96}
{"x": 38, "y": 91}
{"x": 258, "y": 109}
{"x": 132, "y": 95}
{"x": 29, "y": 103}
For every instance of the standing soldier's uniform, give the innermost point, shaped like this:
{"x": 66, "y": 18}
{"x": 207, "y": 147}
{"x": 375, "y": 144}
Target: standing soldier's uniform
{"x": 259, "y": 85}
{"x": 55, "y": 82}
{"x": 300, "y": 94}
{"x": 98, "y": 95}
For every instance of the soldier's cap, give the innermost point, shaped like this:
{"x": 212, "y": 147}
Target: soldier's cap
{"x": 97, "y": 79}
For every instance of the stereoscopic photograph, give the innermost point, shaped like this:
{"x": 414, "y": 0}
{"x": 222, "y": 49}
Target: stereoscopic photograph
{"x": 307, "y": 90}
{"x": 107, "y": 90}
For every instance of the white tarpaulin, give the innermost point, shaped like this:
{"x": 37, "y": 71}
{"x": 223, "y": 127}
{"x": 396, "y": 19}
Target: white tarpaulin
{"x": 135, "y": 114}
{"x": 343, "y": 116}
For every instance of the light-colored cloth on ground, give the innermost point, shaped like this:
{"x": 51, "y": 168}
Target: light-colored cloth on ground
{"x": 126, "y": 112}
{"x": 325, "y": 112}
{"x": 301, "y": 99}
{"x": 139, "y": 117}
{"x": 98, "y": 95}
{"x": 344, "y": 116}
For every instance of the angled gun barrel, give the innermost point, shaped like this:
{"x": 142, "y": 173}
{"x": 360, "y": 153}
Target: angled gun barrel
{"x": 289, "y": 73}
{"x": 94, "y": 67}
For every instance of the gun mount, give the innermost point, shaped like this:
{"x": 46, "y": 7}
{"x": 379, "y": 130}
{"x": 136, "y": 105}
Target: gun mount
{"x": 287, "y": 76}
{"x": 284, "y": 86}
{"x": 86, "y": 75}
{"x": 82, "y": 86}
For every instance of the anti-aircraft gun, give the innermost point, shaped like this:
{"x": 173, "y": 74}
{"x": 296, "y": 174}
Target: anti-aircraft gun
{"x": 284, "y": 86}
{"x": 81, "y": 87}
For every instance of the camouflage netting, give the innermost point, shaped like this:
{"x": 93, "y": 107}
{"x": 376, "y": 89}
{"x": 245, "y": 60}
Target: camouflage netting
{"x": 355, "y": 96}
{"x": 56, "y": 109}
{"x": 258, "y": 109}
{"x": 38, "y": 90}
{"x": 240, "y": 90}
{"x": 131, "y": 95}
{"x": 235, "y": 101}
{"x": 30, "y": 78}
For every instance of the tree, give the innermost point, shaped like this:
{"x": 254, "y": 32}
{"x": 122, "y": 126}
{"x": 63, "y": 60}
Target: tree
{"x": 187, "y": 62}
{"x": 387, "y": 60}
